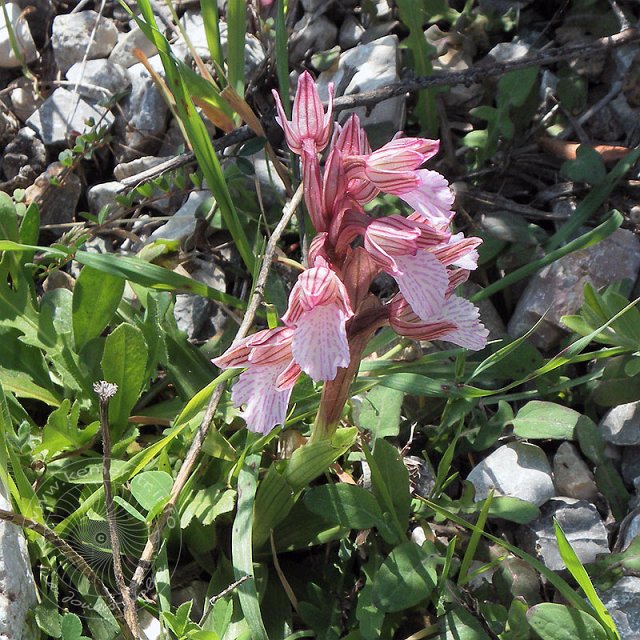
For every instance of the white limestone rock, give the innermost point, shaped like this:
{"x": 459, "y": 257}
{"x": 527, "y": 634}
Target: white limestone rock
{"x": 99, "y": 79}
{"x": 64, "y": 111}
{"x": 621, "y": 425}
{"x": 71, "y": 36}
{"x": 17, "y": 587}
{"x": 557, "y": 290}
{"x": 122, "y": 53}
{"x": 517, "y": 469}
{"x": 365, "y": 68}
{"x": 183, "y": 222}
{"x": 580, "y": 522}
{"x": 143, "y": 120}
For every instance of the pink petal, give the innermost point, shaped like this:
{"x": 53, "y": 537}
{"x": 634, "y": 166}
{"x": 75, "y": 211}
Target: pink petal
{"x": 352, "y": 139}
{"x": 470, "y": 332}
{"x": 458, "y": 322}
{"x": 265, "y": 405}
{"x": 423, "y": 281}
{"x": 432, "y": 198}
{"x": 291, "y": 136}
{"x": 460, "y": 252}
{"x": 320, "y": 342}
{"x": 386, "y": 238}
{"x": 316, "y": 287}
{"x": 238, "y": 354}
{"x": 395, "y": 182}
{"x": 312, "y": 186}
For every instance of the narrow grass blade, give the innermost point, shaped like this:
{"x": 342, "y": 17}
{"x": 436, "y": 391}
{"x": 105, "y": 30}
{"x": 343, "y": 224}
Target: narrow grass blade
{"x": 561, "y": 585}
{"x": 412, "y": 14}
{"x": 197, "y": 133}
{"x": 282, "y": 56}
{"x": 594, "y": 200}
{"x": 581, "y": 576}
{"x": 241, "y": 546}
{"x": 474, "y": 540}
{"x": 236, "y": 25}
{"x": 209, "y": 11}
{"x": 154, "y": 276}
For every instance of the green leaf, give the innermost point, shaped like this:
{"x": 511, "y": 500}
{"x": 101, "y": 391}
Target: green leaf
{"x": 96, "y": 297}
{"x": 513, "y": 509}
{"x": 72, "y": 627}
{"x": 151, "y": 487}
{"x": 48, "y": 619}
{"x": 546, "y": 420}
{"x": 404, "y": 579}
{"x": 391, "y": 481}
{"x": 587, "y": 167}
{"x": 192, "y": 122}
{"x": 559, "y": 622}
{"x": 514, "y": 87}
{"x": 124, "y": 363}
{"x": 380, "y": 412}
{"x": 152, "y": 275}
{"x": 459, "y": 624}
{"x": 345, "y": 504}
{"x": 61, "y": 433}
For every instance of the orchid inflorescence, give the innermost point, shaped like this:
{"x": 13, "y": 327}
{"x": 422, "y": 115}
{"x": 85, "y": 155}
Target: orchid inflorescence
{"x": 332, "y": 312}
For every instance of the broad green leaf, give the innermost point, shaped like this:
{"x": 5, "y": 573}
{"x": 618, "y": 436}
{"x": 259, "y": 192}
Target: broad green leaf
{"x": 345, "y": 504}
{"x": 71, "y": 627}
{"x": 404, "y": 579}
{"x": 559, "y": 622}
{"x": 308, "y": 462}
{"x": 124, "y": 363}
{"x": 61, "y": 432}
{"x": 302, "y": 529}
{"x": 459, "y": 624}
{"x": 514, "y": 87}
{"x": 379, "y": 412}
{"x": 96, "y": 296}
{"x": 546, "y": 420}
{"x": 150, "y": 487}
{"x": 587, "y": 167}
{"x": 392, "y": 481}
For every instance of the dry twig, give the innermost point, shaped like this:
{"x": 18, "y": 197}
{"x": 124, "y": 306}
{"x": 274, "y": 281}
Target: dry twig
{"x": 196, "y": 445}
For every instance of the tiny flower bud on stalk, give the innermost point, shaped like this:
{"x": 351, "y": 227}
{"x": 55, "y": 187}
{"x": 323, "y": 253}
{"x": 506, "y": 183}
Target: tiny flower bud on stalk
{"x": 332, "y": 312}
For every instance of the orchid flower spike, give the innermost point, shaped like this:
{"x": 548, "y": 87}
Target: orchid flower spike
{"x": 310, "y": 126}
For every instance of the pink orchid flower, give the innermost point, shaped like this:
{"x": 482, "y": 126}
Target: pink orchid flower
{"x": 310, "y": 126}
{"x": 404, "y": 249}
{"x": 394, "y": 169}
{"x": 318, "y": 311}
{"x": 457, "y": 321}
{"x": 264, "y": 388}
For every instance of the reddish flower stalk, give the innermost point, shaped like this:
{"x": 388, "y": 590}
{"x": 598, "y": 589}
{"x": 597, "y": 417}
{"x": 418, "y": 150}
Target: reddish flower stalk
{"x": 332, "y": 314}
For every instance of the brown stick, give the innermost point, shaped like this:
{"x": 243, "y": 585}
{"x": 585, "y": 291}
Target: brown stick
{"x": 475, "y": 74}
{"x": 196, "y": 445}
